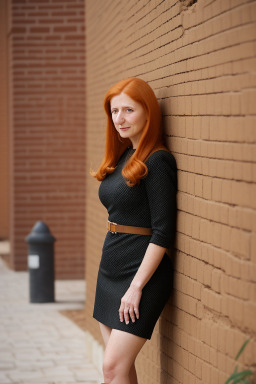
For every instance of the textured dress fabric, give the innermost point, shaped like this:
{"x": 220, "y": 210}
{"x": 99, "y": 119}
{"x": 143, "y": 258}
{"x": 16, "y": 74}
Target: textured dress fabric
{"x": 152, "y": 204}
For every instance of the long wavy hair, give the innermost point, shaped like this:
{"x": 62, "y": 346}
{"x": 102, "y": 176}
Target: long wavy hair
{"x": 151, "y": 138}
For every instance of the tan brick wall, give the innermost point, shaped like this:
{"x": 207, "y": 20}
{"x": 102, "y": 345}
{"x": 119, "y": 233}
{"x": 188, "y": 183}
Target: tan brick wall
{"x": 201, "y": 62}
{"x": 4, "y": 136}
{"x": 47, "y": 68}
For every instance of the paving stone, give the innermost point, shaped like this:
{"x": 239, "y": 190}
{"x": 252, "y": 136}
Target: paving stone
{"x": 38, "y": 345}
{"x": 4, "y": 378}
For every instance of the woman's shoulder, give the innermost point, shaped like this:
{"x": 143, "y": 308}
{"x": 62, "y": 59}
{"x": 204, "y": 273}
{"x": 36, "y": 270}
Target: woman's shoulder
{"x": 162, "y": 169}
{"x": 161, "y": 156}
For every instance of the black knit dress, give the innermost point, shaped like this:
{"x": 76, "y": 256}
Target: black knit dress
{"x": 150, "y": 204}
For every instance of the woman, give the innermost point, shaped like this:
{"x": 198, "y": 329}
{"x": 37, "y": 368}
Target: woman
{"x": 138, "y": 189}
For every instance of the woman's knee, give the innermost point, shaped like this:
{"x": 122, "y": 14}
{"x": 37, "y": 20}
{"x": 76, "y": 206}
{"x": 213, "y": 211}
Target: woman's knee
{"x": 121, "y": 352}
{"x": 108, "y": 370}
{"x": 113, "y": 368}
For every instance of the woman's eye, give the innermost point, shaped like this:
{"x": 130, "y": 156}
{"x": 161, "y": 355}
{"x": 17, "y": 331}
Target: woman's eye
{"x": 114, "y": 111}
{"x": 129, "y": 109}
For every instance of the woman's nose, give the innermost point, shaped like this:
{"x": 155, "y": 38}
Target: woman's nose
{"x": 119, "y": 118}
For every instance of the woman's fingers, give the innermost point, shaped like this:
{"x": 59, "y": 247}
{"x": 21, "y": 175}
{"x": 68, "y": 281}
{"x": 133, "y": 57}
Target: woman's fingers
{"x": 121, "y": 311}
{"x": 137, "y": 314}
{"x": 129, "y": 308}
{"x": 127, "y": 313}
{"x": 124, "y": 312}
{"x": 131, "y": 313}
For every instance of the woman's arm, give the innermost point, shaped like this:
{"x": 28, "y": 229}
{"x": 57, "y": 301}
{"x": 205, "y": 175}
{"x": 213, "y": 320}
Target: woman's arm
{"x": 161, "y": 187}
{"x": 131, "y": 300}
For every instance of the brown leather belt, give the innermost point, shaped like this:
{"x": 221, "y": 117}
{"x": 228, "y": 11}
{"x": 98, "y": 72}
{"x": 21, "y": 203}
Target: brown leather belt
{"x": 115, "y": 228}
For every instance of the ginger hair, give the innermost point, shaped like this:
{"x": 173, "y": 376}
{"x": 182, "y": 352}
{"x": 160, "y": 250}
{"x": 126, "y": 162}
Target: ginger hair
{"x": 151, "y": 138}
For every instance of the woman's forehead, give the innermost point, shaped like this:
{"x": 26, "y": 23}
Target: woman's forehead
{"x": 122, "y": 100}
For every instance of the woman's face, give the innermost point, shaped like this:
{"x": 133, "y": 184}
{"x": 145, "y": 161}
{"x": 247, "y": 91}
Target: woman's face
{"x": 129, "y": 117}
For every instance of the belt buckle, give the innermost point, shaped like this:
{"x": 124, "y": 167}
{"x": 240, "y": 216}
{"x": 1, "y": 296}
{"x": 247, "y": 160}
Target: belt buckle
{"x": 110, "y": 227}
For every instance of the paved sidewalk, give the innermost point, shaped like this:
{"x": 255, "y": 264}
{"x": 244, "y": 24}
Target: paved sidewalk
{"x": 38, "y": 345}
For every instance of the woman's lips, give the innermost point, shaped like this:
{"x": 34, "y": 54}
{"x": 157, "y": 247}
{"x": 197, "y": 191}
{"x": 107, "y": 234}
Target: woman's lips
{"x": 124, "y": 128}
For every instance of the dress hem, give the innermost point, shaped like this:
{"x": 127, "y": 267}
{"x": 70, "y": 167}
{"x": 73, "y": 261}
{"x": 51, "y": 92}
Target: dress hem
{"x": 123, "y": 330}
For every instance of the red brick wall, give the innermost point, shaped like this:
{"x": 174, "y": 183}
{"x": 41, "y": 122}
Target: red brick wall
{"x": 4, "y": 137}
{"x": 48, "y": 85}
{"x": 201, "y": 61}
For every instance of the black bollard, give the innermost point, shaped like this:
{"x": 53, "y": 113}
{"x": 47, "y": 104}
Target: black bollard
{"x": 41, "y": 263}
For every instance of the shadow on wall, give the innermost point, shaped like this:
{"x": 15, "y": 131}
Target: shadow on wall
{"x": 161, "y": 95}
{"x": 168, "y": 317}
{"x": 167, "y": 327}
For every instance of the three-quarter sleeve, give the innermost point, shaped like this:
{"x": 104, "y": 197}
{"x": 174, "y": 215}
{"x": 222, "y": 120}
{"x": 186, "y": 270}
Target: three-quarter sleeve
{"x": 161, "y": 189}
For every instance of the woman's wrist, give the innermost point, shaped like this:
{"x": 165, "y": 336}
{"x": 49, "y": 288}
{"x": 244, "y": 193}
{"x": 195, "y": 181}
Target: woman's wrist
{"x": 137, "y": 284}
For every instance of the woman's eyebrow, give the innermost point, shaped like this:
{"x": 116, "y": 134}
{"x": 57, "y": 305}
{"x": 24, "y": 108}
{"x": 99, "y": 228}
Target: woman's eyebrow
{"x": 123, "y": 106}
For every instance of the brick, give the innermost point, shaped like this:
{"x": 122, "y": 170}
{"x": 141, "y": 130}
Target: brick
{"x": 253, "y": 247}
{"x": 39, "y": 30}
{"x": 215, "y": 280}
{"x": 208, "y": 269}
{"x": 249, "y": 309}
{"x": 38, "y": 149}
{"x": 206, "y": 373}
{"x": 211, "y": 300}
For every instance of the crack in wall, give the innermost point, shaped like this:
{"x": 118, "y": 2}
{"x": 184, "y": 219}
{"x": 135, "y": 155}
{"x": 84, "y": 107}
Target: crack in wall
{"x": 186, "y": 5}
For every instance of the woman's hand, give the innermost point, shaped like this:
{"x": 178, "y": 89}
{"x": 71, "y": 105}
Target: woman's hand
{"x": 130, "y": 304}
{"x": 129, "y": 307}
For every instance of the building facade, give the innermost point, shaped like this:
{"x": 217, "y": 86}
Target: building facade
{"x": 200, "y": 59}
{"x": 43, "y": 128}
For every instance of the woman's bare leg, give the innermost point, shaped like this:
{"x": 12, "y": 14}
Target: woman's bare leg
{"x": 133, "y": 374}
{"x": 106, "y": 332}
{"x": 121, "y": 351}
